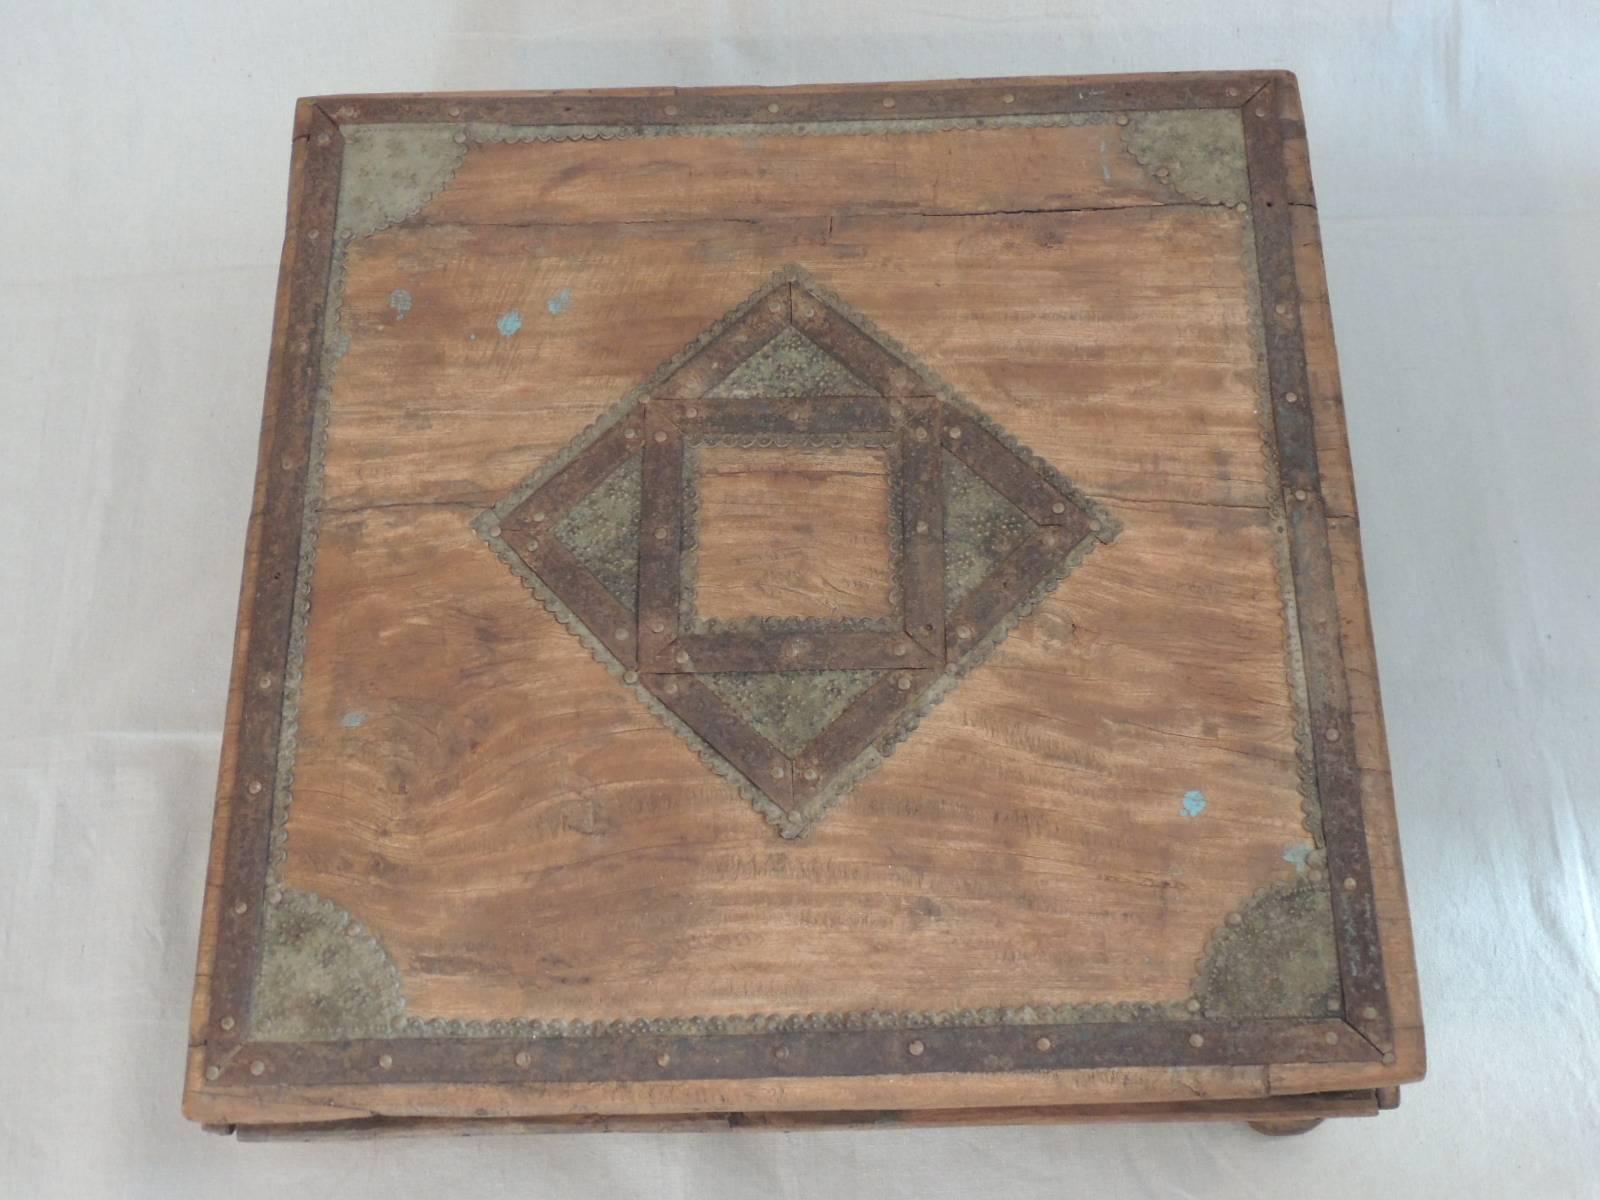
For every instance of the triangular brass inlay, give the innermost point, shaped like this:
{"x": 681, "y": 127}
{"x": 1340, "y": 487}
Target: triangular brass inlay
{"x": 791, "y": 364}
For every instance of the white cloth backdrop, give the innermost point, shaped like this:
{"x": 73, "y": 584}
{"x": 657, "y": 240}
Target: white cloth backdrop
{"x": 143, "y": 157}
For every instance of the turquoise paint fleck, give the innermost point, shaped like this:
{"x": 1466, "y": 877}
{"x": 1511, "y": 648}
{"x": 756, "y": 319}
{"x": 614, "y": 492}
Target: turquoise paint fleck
{"x": 560, "y": 302}
{"x": 400, "y": 301}
{"x": 509, "y": 323}
{"x": 1194, "y": 803}
{"x": 354, "y": 720}
{"x": 1297, "y": 854}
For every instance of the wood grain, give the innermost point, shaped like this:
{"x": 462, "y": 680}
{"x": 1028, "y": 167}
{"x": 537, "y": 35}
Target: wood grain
{"x": 789, "y": 533}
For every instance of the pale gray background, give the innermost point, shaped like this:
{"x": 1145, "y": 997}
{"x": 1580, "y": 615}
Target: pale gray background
{"x": 143, "y": 158}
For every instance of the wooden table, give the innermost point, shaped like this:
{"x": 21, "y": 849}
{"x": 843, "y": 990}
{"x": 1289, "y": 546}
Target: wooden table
{"x": 807, "y": 606}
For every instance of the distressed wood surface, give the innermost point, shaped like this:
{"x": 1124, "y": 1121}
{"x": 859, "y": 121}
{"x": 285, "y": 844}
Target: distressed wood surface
{"x": 785, "y": 533}
{"x": 1073, "y": 824}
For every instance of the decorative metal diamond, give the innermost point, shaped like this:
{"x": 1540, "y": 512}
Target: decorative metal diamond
{"x": 793, "y": 710}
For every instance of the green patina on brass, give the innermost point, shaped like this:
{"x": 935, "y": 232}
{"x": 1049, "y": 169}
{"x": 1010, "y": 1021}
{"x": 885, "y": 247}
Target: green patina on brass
{"x": 322, "y": 976}
{"x": 1198, "y": 152}
{"x": 981, "y": 527}
{"x": 390, "y": 171}
{"x": 602, "y": 530}
{"x": 791, "y": 364}
{"x": 1279, "y": 960}
{"x": 790, "y": 708}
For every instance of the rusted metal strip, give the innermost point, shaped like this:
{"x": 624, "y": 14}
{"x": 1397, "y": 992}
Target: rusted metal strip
{"x": 922, "y": 526}
{"x": 701, "y": 106}
{"x": 703, "y": 711}
{"x": 632, "y": 1056}
{"x": 718, "y": 358}
{"x": 1005, "y": 588}
{"x": 866, "y": 359}
{"x": 861, "y": 724}
{"x": 847, "y": 649}
{"x": 1007, "y": 473}
{"x": 579, "y": 590}
{"x": 1356, "y": 930}
{"x": 292, "y": 387}
{"x": 777, "y": 415}
{"x": 660, "y": 536}
{"x": 550, "y": 503}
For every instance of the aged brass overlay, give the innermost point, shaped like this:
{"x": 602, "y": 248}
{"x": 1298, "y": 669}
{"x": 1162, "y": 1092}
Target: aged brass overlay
{"x": 793, "y": 710}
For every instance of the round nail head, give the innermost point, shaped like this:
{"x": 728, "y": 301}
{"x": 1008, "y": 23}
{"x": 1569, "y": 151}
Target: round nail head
{"x": 915, "y": 1049}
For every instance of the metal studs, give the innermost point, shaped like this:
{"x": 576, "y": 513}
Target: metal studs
{"x": 661, "y": 436}
{"x": 922, "y": 527}
{"x": 630, "y": 434}
{"x": 213, "y": 1073}
{"x": 1333, "y": 735}
{"x": 385, "y": 1061}
{"x": 1197, "y": 1040}
{"x": 691, "y": 412}
{"x": 254, "y": 787}
{"x": 258, "y": 1067}
{"x": 264, "y": 682}
{"x": 915, "y": 1048}
{"x": 313, "y": 234}
{"x": 630, "y": 677}
{"x": 324, "y": 138}
{"x": 533, "y": 544}
{"x": 460, "y": 138}
{"x": 681, "y": 658}
{"x": 1281, "y": 308}
{"x": 964, "y": 632}
{"x": 1042, "y": 1044}
{"x": 775, "y": 305}
{"x": 671, "y": 688}
{"x": 661, "y": 535}
{"x": 226, "y": 1023}
{"x": 1233, "y": 91}
{"x": 1008, "y": 98}
{"x": 777, "y": 770}
{"x": 663, "y": 1059}
{"x": 1097, "y": 526}
{"x": 540, "y": 516}
{"x": 1122, "y": 118}
{"x": 903, "y": 683}
{"x": 772, "y": 108}
{"x": 454, "y": 110}
{"x": 1291, "y": 398}
{"x": 494, "y": 531}
{"x": 888, "y": 101}
{"x": 523, "y": 1058}
{"x": 781, "y": 1052}
{"x": 240, "y": 907}
{"x": 658, "y": 626}
{"x": 1241, "y": 207}
{"x": 1331, "y": 1037}
{"x": 1193, "y": 1005}
{"x": 1349, "y": 883}
{"x": 1058, "y": 508}
{"x": 900, "y": 650}
{"x": 811, "y": 774}
{"x": 920, "y": 434}
{"x": 1261, "y": 112}
{"x": 621, "y": 635}
{"x": 1299, "y": 493}
{"x": 1235, "y": 919}
{"x": 671, "y": 110}
{"x": 955, "y": 433}
{"x": 1369, "y": 1013}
